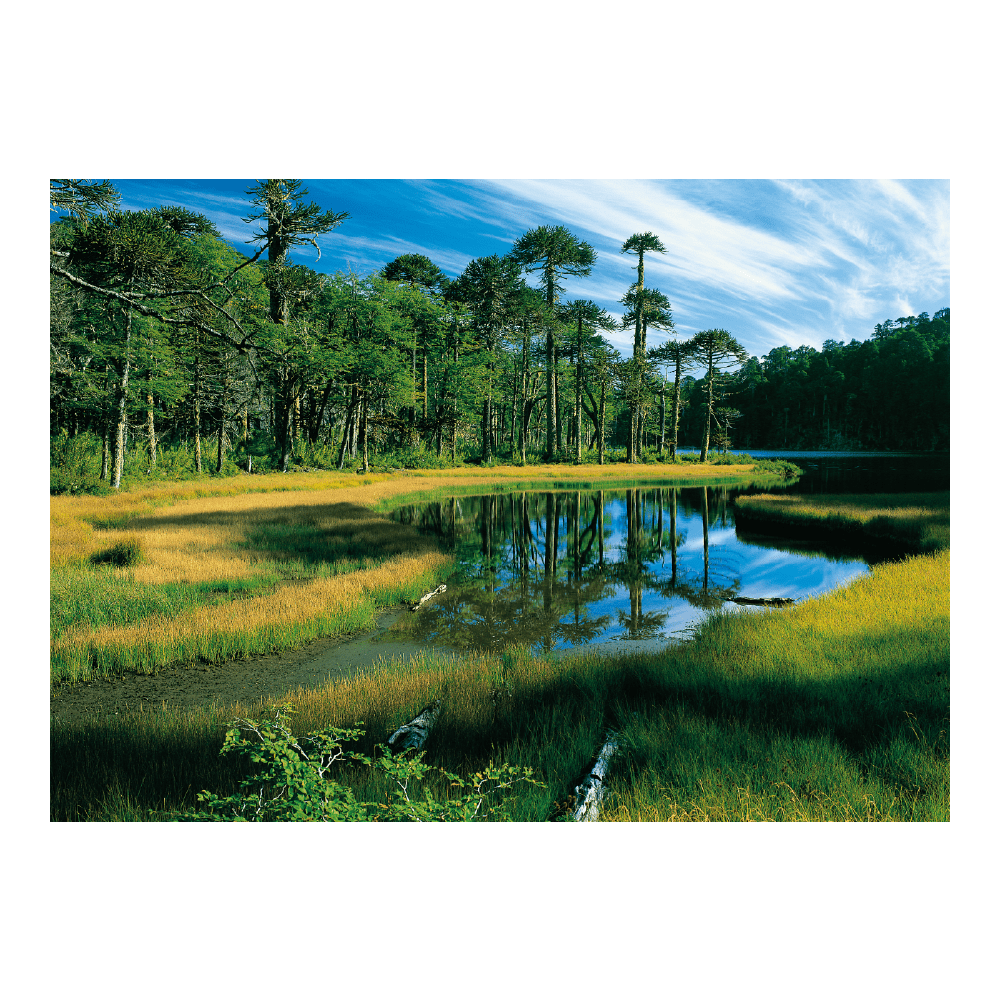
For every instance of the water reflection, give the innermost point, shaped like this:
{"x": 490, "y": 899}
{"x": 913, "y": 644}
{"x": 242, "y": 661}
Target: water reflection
{"x": 568, "y": 569}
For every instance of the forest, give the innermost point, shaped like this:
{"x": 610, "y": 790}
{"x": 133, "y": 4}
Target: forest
{"x": 174, "y": 355}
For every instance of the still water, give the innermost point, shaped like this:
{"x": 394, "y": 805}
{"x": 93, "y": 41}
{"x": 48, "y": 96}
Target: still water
{"x": 559, "y": 570}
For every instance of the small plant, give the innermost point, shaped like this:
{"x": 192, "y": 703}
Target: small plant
{"x": 126, "y": 553}
{"x": 291, "y": 781}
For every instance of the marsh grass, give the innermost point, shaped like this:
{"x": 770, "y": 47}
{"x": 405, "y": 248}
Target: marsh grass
{"x": 920, "y": 521}
{"x": 836, "y": 709}
{"x": 174, "y": 572}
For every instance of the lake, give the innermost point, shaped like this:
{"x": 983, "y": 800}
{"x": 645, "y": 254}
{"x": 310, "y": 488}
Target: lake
{"x": 630, "y": 569}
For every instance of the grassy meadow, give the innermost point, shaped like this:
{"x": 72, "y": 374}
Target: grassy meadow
{"x": 832, "y": 710}
{"x": 251, "y": 565}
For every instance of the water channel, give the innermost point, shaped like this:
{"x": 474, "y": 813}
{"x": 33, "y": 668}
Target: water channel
{"x": 634, "y": 568}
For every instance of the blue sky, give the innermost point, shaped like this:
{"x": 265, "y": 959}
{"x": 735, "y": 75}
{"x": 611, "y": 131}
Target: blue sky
{"x": 773, "y": 262}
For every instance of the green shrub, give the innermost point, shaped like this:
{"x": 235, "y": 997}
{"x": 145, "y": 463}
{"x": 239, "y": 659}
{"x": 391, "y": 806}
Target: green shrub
{"x": 68, "y": 481}
{"x": 291, "y": 781}
{"x": 75, "y": 463}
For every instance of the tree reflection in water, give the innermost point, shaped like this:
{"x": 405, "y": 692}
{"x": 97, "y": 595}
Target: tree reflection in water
{"x": 554, "y": 570}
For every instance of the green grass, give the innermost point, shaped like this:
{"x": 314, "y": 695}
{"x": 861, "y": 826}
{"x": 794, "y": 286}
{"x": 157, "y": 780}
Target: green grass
{"x": 836, "y": 709}
{"x": 109, "y": 597}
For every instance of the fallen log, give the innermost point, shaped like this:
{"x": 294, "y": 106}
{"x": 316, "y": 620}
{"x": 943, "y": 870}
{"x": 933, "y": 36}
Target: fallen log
{"x": 771, "y": 602}
{"x": 591, "y": 790}
{"x": 411, "y": 736}
{"x": 429, "y": 594}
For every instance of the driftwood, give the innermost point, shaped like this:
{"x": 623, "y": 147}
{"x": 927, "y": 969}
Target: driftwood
{"x": 429, "y": 594}
{"x": 771, "y": 602}
{"x": 591, "y": 790}
{"x": 411, "y": 736}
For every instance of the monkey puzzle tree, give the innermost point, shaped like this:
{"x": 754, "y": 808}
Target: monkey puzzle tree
{"x": 554, "y": 251}
{"x": 419, "y": 272}
{"x": 717, "y": 350}
{"x": 81, "y": 199}
{"x": 491, "y": 288}
{"x": 640, "y": 244}
{"x": 679, "y": 354}
{"x": 583, "y": 313}
{"x": 286, "y": 222}
{"x": 652, "y": 309}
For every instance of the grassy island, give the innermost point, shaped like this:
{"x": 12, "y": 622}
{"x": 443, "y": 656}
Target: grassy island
{"x": 918, "y": 521}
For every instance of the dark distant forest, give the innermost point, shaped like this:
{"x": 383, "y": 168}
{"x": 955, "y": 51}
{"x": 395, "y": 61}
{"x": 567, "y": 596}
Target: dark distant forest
{"x": 174, "y": 355}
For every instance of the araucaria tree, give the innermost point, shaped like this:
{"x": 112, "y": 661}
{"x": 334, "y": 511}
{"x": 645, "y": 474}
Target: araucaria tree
{"x": 717, "y": 350}
{"x": 554, "y": 251}
{"x": 491, "y": 288}
{"x": 679, "y": 354}
{"x": 286, "y": 222}
{"x": 584, "y": 316}
{"x": 639, "y": 244}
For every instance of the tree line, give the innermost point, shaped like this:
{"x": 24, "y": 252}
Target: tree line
{"x": 176, "y": 353}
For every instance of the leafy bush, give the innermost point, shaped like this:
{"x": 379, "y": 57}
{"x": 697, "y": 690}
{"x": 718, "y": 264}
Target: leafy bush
{"x": 74, "y": 464}
{"x": 416, "y": 457}
{"x": 67, "y": 481}
{"x": 291, "y": 781}
{"x": 786, "y": 469}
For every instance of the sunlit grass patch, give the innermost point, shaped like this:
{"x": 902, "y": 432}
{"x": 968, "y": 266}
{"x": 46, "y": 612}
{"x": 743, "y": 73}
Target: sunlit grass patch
{"x": 291, "y": 615}
{"x": 919, "y": 520}
{"x": 680, "y": 767}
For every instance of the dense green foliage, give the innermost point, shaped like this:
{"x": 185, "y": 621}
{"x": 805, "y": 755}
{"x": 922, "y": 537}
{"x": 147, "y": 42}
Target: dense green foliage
{"x": 175, "y": 355}
{"x": 888, "y": 392}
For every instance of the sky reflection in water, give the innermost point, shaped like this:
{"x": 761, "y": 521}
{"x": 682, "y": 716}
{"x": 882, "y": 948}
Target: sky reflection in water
{"x": 559, "y": 570}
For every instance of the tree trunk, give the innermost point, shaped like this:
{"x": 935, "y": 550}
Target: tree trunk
{"x": 221, "y": 451}
{"x": 600, "y": 430}
{"x": 106, "y": 451}
{"x": 579, "y": 398}
{"x": 151, "y": 431}
{"x": 121, "y": 408}
{"x": 676, "y": 414}
{"x": 348, "y": 421}
{"x": 364, "y": 431}
{"x": 197, "y": 407}
{"x": 663, "y": 417}
{"x": 708, "y": 414}
{"x": 244, "y": 420}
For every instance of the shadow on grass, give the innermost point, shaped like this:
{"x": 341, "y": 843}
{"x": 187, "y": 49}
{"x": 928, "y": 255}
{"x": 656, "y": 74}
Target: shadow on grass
{"x": 325, "y": 533}
{"x": 552, "y": 717}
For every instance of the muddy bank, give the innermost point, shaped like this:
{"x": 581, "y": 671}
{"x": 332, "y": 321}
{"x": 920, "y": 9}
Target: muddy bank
{"x": 246, "y": 681}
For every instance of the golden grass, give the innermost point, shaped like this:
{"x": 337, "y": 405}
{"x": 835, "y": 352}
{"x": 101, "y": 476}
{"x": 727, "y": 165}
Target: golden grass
{"x": 191, "y": 533}
{"x": 246, "y": 626}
